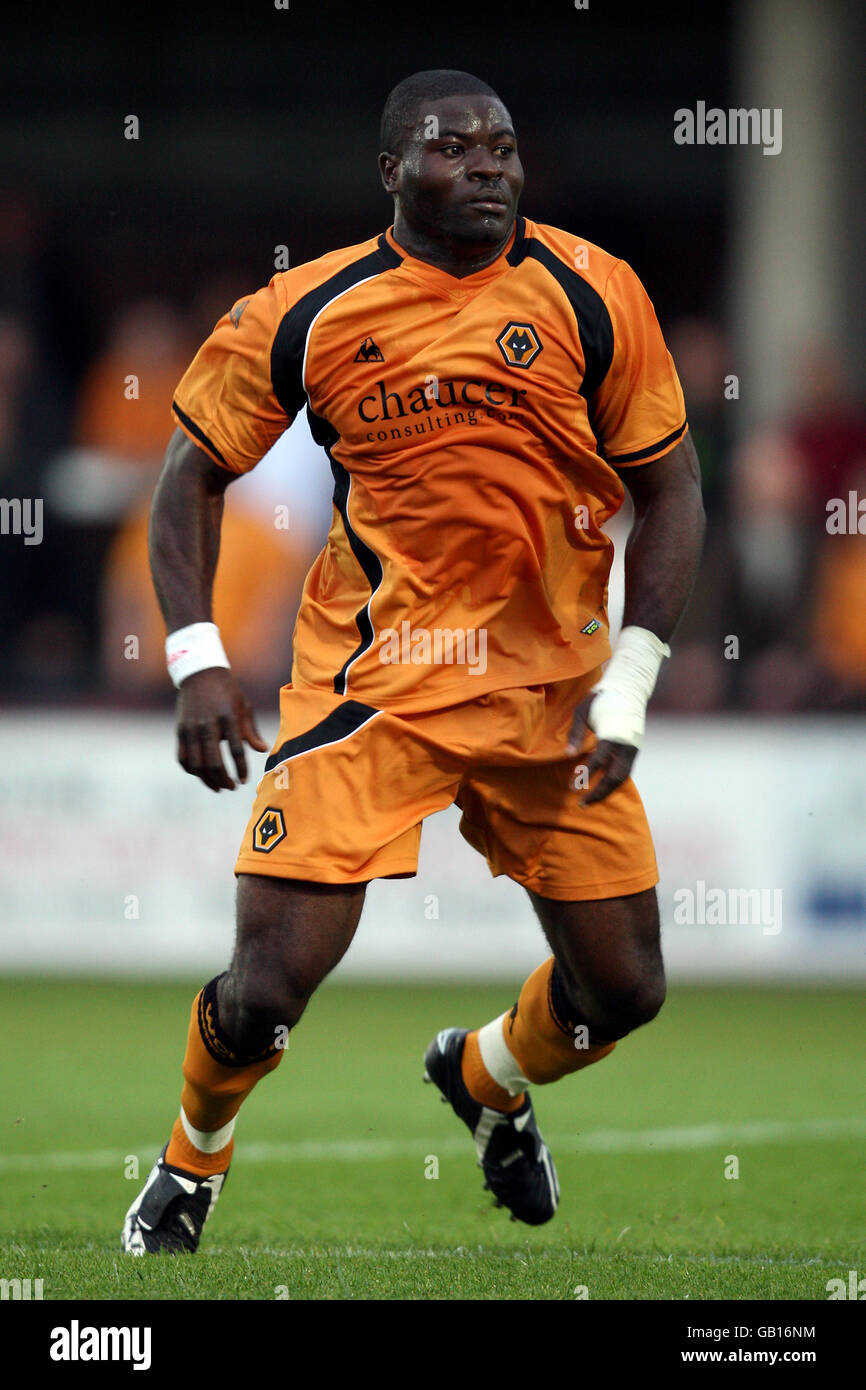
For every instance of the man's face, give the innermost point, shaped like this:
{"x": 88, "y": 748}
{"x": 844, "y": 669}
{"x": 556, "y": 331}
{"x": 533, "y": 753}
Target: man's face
{"x": 458, "y": 175}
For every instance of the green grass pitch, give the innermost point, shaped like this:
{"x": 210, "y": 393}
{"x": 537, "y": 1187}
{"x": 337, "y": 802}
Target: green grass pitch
{"x": 334, "y": 1192}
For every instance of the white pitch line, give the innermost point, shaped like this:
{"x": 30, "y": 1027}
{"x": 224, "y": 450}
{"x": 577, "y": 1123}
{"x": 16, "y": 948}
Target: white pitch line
{"x": 708, "y": 1135}
{"x": 610, "y": 1141}
{"x": 519, "y": 1256}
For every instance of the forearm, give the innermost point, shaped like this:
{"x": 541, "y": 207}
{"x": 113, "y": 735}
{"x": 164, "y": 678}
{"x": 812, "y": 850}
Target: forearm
{"x": 184, "y": 534}
{"x": 661, "y": 560}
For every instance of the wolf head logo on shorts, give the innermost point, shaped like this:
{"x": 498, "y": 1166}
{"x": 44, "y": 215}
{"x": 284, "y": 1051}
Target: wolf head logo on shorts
{"x": 269, "y": 829}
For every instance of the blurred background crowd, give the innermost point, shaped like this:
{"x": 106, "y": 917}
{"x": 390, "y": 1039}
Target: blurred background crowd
{"x": 112, "y": 275}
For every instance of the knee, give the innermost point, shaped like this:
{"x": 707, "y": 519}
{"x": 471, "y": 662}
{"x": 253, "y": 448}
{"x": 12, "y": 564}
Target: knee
{"x": 627, "y": 1004}
{"x": 645, "y": 1000}
{"x": 255, "y": 1005}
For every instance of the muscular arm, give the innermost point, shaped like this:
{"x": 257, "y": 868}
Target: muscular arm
{"x": 665, "y": 542}
{"x": 184, "y": 538}
{"x": 184, "y": 541}
{"x": 661, "y": 561}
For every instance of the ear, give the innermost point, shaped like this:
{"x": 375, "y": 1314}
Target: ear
{"x": 389, "y": 170}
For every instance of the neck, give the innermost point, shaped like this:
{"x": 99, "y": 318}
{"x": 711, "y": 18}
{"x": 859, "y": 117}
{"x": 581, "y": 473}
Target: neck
{"x": 457, "y": 258}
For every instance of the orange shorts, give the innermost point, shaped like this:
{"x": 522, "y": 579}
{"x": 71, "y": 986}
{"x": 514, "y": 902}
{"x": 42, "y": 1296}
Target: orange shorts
{"x": 346, "y": 788}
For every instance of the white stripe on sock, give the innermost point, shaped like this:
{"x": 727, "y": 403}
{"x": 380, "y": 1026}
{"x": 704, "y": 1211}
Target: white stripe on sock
{"x": 498, "y": 1060}
{"x": 207, "y": 1141}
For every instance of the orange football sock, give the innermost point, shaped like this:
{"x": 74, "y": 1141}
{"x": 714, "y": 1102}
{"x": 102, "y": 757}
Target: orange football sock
{"x": 536, "y": 1042}
{"x": 182, "y": 1153}
{"x": 216, "y": 1082}
{"x": 545, "y": 1042}
{"x": 478, "y": 1081}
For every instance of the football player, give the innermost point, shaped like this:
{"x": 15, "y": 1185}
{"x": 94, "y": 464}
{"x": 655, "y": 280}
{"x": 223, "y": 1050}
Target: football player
{"x": 485, "y": 388}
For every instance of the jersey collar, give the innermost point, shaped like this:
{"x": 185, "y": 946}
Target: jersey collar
{"x": 452, "y": 284}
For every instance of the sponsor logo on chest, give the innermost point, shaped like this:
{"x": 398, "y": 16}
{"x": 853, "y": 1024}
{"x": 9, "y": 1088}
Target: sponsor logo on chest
{"x": 385, "y": 403}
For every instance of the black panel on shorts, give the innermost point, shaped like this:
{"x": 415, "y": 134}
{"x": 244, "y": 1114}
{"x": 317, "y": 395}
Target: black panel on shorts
{"x": 341, "y": 722}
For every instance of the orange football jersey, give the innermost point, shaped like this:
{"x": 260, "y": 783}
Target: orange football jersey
{"x": 471, "y": 427}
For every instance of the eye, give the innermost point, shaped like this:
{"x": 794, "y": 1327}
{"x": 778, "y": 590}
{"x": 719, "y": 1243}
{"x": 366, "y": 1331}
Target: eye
{"x": 445, "y": 149}
{"x": 506, "y": 149}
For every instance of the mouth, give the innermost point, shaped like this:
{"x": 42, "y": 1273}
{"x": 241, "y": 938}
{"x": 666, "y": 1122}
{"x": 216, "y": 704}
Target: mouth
{"x": 491, "y": 202}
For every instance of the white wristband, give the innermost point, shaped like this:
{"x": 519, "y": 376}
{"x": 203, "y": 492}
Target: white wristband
{"x": 618, "y": 712}
{"x": 192, "y": 649}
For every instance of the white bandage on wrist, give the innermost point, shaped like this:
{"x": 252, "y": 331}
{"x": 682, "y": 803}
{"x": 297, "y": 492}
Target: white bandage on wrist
{"x": 192, "y": 649}
{"x": 618, "y": 712}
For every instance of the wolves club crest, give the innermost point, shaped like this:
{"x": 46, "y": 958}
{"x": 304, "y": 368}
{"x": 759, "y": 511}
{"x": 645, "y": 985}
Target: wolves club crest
{"x": 269, "y": 829}
{"x": 519, "y": 344}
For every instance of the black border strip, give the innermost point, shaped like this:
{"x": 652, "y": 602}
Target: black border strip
{"x": 369, "y": 562}
{"x": 199, "y": 434}
{"x": 325, "y": 435}
{"x": 517, "y": 251}
{"x": 650, "y": 449}
{"x": 340, "y": 723}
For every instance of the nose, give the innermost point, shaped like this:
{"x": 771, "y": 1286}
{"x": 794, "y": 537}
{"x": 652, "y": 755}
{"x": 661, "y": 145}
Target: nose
{"x": 482, "y": 166}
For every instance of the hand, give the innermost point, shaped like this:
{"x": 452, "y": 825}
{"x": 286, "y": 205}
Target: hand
{"x": 211, "y": 707}
{"x": 613, "y": 760}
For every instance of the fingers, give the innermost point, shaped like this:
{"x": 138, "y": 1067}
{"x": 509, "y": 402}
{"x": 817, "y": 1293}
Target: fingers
{"x": 211, "y": 768}
{"x": 237, "y": 731}
{"x": 183, "y": 749}
{"x": 614, "y": 761}
{"x": 249, "y": 730}
{"x": 199, "y": 752}
{"x": 578, "y": 726}
{"x": 212, "y": 710}
{"x": 234, "y": 738}
{"x": 603, "y": 787}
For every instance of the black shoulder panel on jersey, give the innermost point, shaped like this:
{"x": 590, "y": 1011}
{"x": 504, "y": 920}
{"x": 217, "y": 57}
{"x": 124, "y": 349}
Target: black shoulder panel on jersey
{"x": 590, "y": 311}
{"x": 323, "y": 433}
{"x": 287, "y": 350}
{"x": 518, "y": 246}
